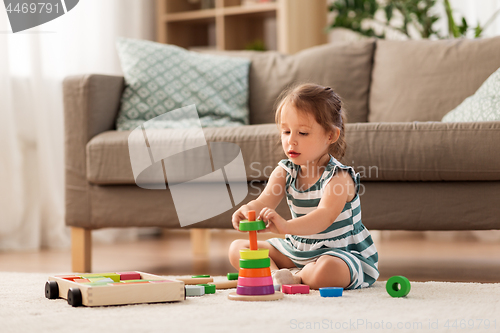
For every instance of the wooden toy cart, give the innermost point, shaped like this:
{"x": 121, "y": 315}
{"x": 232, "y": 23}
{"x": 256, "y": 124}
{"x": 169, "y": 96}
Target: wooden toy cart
{"x": 114, "y": 289}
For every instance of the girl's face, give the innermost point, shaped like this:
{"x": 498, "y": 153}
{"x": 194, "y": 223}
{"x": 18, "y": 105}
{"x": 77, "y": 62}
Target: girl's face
{"x": 304, "y": 141}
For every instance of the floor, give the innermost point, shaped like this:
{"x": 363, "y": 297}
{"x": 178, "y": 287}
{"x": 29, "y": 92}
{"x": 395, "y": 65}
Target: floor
{"x": 170, "y": 254}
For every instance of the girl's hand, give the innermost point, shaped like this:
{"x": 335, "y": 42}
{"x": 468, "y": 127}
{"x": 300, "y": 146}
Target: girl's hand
{"x": 240, "y": 214}
{"x": 275, "y": 223}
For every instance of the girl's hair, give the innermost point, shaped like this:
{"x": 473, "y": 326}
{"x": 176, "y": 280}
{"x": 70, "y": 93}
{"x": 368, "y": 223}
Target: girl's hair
{"x": 323, "y": 103}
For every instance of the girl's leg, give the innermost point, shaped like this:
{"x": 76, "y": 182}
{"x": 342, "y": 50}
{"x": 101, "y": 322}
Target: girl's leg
{"x": 327, "y": 271}
{"x": 278, "y": 259}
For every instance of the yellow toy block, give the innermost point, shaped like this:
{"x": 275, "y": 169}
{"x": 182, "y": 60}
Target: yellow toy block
{"x": 254, "y": 254}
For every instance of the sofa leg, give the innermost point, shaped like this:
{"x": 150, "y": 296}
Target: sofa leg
{"x": 200, "y": 241}
{"x": 81, "y": 250}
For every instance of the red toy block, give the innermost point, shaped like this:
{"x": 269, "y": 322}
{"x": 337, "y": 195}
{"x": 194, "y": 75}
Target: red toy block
{"x": 81, "y": 280}
{"x": 295, "y": 288}
{"x": 129, "y": 276}
{"x": 69, "y": 277}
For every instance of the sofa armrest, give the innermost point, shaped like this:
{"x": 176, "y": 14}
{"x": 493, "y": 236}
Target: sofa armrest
{"x": 91, "y": 104}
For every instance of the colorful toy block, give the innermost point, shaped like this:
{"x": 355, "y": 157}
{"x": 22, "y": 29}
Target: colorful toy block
{"x": 398, "y": 286}
{"x": 192, "y": 290}
{"x": 209, "y": 288}
{"x": 200, "y": 276}
{"x": 69, "y": 277}
{"x": 255, "y": 272}
{"x": 331, "y": 291}
{"x": 129, "y": 276}
{"x": 232, "y": 276}
{"x": 257, "y": 290}
{"x": 252, "y": 282}
{"x": 113, "y": 276}
{"x": 295, "y": 288}
{"x": 254, "y": 254}
{"x": 277, "y": 287}
{"x": 81, "y": 280}
{"x": 255, "y": 263}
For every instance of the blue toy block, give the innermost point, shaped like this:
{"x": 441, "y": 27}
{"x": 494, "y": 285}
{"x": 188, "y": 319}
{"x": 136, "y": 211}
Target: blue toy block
{"x": 331, "y": 291}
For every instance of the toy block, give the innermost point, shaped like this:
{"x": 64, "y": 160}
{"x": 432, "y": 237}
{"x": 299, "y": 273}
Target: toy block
{"x": 81, "y": 280}
{"x": 257, "y": 290}
{"x": 254, "y": 254}
{"x": 97, "y": 278}
{"x": 69, "y": 277}
{"x": 271, "y": 297}
{"x": 209, "y": 288}
{"x": 113, "y": 276}
{"x": 191, "y": 281}
{"x": 225, "y": 284}
{"x": 255, "y": 272}
{"x": 277, "y": 287}
{"x": 129, "y": 276}
{"x": 255, "y": 263}
{"x": 232, "y": 276}
{"x": 253, "y": 282}
{"x": 295, "y": 288}
{"x": 398, "y": 286}
{"x": 200, "y": 276}
{"x": 131, "y": 281}
{"x": 246, "y": 225}
{"x": 192, "y": 290}
{"x": 331, "y": 292}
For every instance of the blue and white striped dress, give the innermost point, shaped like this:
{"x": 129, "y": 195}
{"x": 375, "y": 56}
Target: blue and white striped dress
{"x": 346, "y": 238}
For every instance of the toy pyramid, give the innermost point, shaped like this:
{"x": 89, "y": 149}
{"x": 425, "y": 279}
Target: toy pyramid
{"x": 254, "y": 279}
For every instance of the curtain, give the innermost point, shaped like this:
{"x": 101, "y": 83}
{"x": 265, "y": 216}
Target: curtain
{"x": 33, "y": 64}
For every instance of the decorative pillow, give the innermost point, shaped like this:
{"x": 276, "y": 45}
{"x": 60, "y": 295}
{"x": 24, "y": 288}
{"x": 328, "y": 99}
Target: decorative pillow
{"x": 484, "y": 105}
{"x": 161, "y": 78}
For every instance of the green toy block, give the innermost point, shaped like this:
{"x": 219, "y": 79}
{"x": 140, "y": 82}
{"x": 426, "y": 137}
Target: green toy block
{"x": 113, "y": 276}
{"x": 200, "y": 276}
{"x": 232, "y": 276}
{"x": 209, "y": 288}
{"x": 398, "y": 286}
{"x": 246, "y": 225}
{"x": 255, "y": 263}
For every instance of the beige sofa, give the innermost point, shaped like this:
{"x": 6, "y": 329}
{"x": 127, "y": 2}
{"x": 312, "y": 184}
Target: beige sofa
{"x": 417, "y": 173}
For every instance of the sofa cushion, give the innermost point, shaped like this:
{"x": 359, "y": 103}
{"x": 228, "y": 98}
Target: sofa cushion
{"x": 344, "y": 66}
{"x": 423, "y": 80}
{"x": 484, "y": 105}
{"x": 160, "y": 78}
{"x": 108, "y": 160}
{"x": 424, "y": 151}
{"x": 430, "y": 151}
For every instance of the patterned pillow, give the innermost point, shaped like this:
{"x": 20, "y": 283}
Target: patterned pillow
{"x": 161, "y": 78}
{"x": 484, "y": 105}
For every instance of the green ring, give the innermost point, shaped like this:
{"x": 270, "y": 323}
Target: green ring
{"x": 255, "y": 263}
{"x": 209, "y": 288}
{"x": 398, "y": 286}
{"x": 246, "y": 225}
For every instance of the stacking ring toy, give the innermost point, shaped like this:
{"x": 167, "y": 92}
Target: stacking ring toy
{"x": 246, "y": 225}
{"x": 398, "y": 286}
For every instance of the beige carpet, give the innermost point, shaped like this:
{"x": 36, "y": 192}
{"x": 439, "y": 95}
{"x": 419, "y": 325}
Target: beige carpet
{"x": 430, "y": 306}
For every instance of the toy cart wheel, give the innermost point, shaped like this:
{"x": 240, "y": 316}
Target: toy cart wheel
{"x": 51, "y": 290}
{"x": 74, "y": 297}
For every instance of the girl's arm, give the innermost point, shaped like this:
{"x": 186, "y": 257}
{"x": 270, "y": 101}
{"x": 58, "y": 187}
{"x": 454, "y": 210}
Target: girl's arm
{"x": 271, "y": 196}
{"x": 330, "y": 206}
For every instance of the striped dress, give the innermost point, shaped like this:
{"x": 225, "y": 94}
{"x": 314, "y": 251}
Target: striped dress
{"x": 346, "y": 238}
